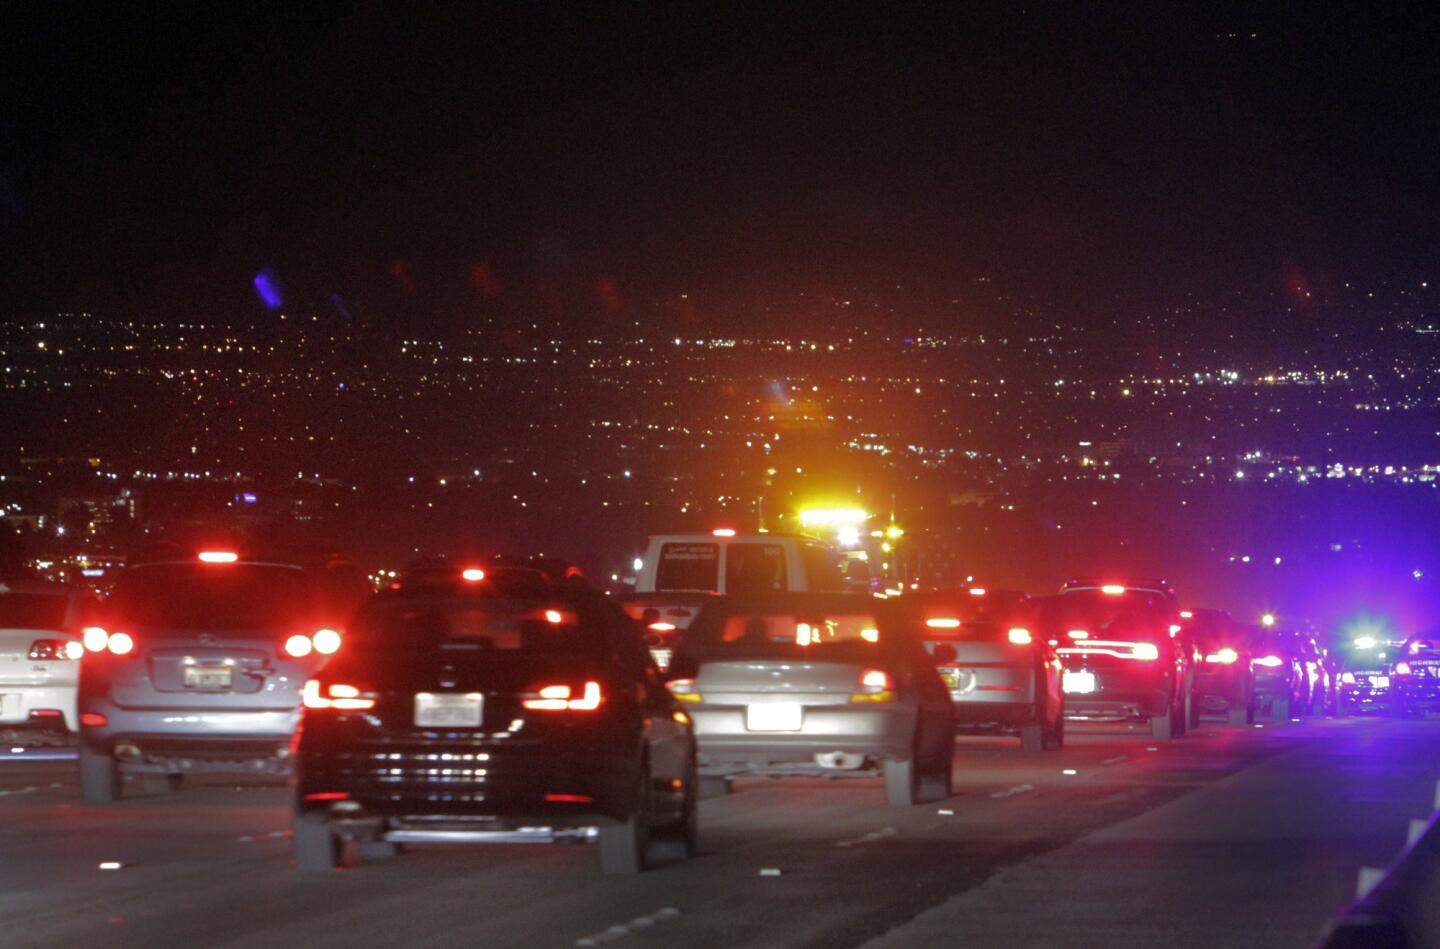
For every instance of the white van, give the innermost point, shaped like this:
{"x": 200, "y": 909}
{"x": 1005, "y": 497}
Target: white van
{"x": 680, "y": 572}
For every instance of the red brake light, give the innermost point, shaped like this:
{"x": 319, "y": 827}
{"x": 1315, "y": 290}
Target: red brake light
{"x": 977, "y": 591}
{"x": 327, "y": 641}
{"x": 1225, "y": 656}
{"x": 120, "y": 643}
{"x": 1348, "y": 678}
{"x": 298, "y": 646}
{"x": 1020, "y": 637}
{"x": 1113, "y": 589}
{"x": 1146, "y": 651}
{"x": 663, "y": 627}
{"x": 943, "y": 622}
{"x": 218, "y": 556}
{"x": 93, "y": 720}
{"x": 472, "y": 574}
{"x": 875, "y": 685}
{"x": 1402, "y": 668}
{"x": 336, "y": 695}
{"x": 569, "y": 798}
{"x": 724, "y": 532}
{"x": 44, "y": 649}
{"x": 1078, "y": 634}
{"x": 557, "y": 698}
{"x": 1269, "y": 662}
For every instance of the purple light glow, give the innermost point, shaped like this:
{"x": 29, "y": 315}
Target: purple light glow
{"x": 269, "y": 289}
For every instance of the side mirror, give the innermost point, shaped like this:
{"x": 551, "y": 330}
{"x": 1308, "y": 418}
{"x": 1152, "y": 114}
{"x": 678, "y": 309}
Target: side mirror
{"x": 945, "y": 654}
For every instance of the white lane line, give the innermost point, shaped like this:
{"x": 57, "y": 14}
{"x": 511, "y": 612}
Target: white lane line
{"x": 868, "y": 838}
{"x": 625, "y": 929}
{"x": 1010, "y": 792}
{"x": 1116, "y": 760}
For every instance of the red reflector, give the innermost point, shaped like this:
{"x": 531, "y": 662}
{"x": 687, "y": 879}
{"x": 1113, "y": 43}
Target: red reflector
{"x": 45, "y": 713}
{"x": 997, "y": 688}
{"x": 569, "y": 798}
{"x": 328, "y": 796}
{"x": 94, "y": 720}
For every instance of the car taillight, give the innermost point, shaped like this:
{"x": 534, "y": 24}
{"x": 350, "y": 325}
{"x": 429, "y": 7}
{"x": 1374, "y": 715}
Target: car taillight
{"x": 43, "y": 649}
{"x": 472, "y": 574}
{"x": 97, "y": 639}
{"x": 684, "y": 690}
{"x": 1077, "y": 634}
{"x": 874, "y": 685}
{"x": 1113, "y": 589}
{"x": 663, "y": 627}
{"x": 1224, "y": 656}
{"x": 336, "y": 695}
{"x": 943, "y": 622}
{"x": 1146, "y": 651}
{"x": 1348, "y": 678}
{"x": 1020, "y": 637}
{"x": 93, "y": 720}
{"x": 324, "y": 641}
{"x": 1269, "y": 662}
{"x": 1402, "y": 668}
{"x": 1174, "y": 630}
{"x": 557, "y": 698}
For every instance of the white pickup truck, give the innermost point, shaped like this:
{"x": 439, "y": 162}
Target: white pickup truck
{"x": 680, "y": 572}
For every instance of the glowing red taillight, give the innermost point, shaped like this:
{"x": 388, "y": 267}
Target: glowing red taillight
{"x": 93, "y": 720}
{"x": 326, "y": 642}
{"x": 1146, "y": 651}
{"x": 1402, "y": 668}
{"x": 218, "y": 556}
{"x": 559, "y": 698}
{"x": 98, "y": 639}
{"x": 336, "y": 695}
{"x": 1020, "y": 637}
{"x": 47, "y": 649}
{"x": 1269, "y": 662}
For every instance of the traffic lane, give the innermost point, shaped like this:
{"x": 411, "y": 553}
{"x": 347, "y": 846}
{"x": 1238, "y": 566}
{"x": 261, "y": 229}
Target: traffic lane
{"x": 201, "y": 865}
{"x": 1263, "y": 858}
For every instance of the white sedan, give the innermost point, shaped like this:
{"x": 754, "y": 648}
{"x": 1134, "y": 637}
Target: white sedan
{"x": 40, "y": 650}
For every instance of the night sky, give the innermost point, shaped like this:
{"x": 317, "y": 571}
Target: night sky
{"x": 442, "y": 161}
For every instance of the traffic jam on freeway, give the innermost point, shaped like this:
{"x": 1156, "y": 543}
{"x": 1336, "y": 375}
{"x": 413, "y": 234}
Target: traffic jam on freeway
{"x": 504, "y": 701}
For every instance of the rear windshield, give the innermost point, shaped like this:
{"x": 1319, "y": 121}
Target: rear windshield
{"x": 688, "y": 567}
{"x": 474, "y": 624}
{"x": 755, "y": 568}
{"x": 966, "y": 616}
{"x": 809, "y": 635}
{"x": 32, "y": 611}
{"x": 215, "y": 599}
{"x": 1101, "y": 615}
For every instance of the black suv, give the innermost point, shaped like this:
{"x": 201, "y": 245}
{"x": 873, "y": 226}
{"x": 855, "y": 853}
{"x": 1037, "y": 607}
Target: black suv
{"x": 491, "y": 705}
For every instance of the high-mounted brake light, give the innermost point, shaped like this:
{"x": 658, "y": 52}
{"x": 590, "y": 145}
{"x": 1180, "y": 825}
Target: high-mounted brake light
{"x": 1402, "y": 668}
{"x": 1113, "y": 589}
{"x": 1147, "y": 651}
{"x": 943, "y": 622}
{"x": 554, "y": 617}
{"x": 218, "y": 556}
{"x": 336, "y": 695}
{"x": 1078, "y": 634}
{"x": 874, "y": 685}
{"x": 1020, "y": 637}
{"x": 724, "y": 532}
{"x": 1348, "y": 678}
{"x": 1269, "y": 662}
{"x": 1174, "y": 630}
{"x": 555, "y": 698}
{"x": 1225, "y": 656}
{"x": 472, "y": 574}
{"x": 663, "y": 627}
{"x": 684, "y": 690}
{"x": 977, "y": 591}
{"x": 1187, "y": 614}
{"x": 870, "y": 635}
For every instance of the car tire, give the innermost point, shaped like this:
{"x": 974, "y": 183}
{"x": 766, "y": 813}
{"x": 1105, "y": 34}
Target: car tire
{"x": 937, "y": 783}
{"x": 1162, "y": 727}
{"x": 624, "y": 847}
{"x": 99, "y": 777}
{"x": 1032, "y": 737}
{"x": 901, "y": 782}
{"x": 1280, "y": 710}
{"x": 711, "y": 785}
{"x": 681, "y": 840}
{"x": 1238, "y": 715}
{"x": 1055, "y": 737}
{"x": 317, "y": 848}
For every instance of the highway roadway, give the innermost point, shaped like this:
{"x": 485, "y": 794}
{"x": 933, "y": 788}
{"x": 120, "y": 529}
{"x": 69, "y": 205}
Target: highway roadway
{"x": 1229, "y": 837}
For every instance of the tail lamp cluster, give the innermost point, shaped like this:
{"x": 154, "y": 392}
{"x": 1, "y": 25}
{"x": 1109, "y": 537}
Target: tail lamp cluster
{"x": 560, "y": 698}
{"x": 336, "y": 695}
{"x": 325, "y": 642}
{"x": 99, "y": 639}
{"x": 43, "y": 649}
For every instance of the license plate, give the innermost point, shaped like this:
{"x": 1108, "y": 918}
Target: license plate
{"x": 662, "y": 657}
{"x": 774, "y": 717}
{"x": 448, "y": 709}
{"x": 1079, "y": 682}
{"x": 1380, "y": 682}
{"x": 208, "y": 677}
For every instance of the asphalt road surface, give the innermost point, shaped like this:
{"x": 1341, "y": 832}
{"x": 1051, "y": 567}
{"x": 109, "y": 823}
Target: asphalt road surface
{"x": 1229, "y": 837}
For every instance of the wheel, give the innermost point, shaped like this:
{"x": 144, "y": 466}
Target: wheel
{"x": 901, "y": 782}
{"x": 99, "y": 777}
{"x": 1239, "y": 715}
{"x": 936, "y": 783}
{"x": 1162, "y": 727}
{"x": 1280, "y": 709}
{"x": 1055, "y": 738}
{"x": 681, "y": 840}
{"x": 712, "y": 785}
{"x": 1032, "y": 737}
{"x": 317, "y": 847}
{"x": 624, "y": 847}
